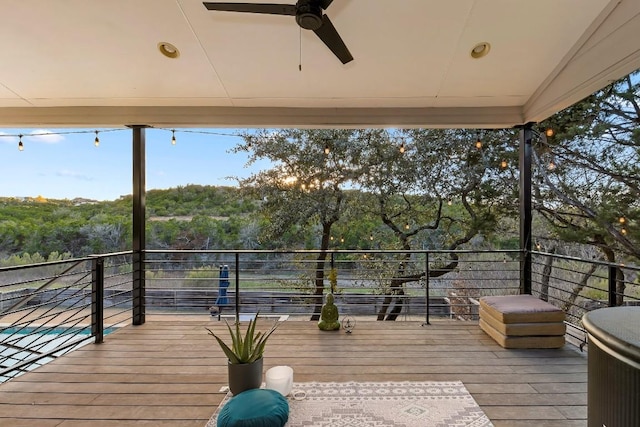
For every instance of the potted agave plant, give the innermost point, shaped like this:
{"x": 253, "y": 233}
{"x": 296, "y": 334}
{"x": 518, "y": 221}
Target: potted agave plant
{"x": 245, "y": 355}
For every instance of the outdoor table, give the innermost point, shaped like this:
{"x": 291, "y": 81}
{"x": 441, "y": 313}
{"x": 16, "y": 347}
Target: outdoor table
{"x": 613, "y": 366}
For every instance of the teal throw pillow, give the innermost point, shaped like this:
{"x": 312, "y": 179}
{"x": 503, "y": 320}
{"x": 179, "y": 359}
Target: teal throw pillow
{"x": 255, "y": 408}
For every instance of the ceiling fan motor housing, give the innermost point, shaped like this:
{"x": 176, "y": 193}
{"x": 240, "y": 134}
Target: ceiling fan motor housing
{"x": 309, "y": 14}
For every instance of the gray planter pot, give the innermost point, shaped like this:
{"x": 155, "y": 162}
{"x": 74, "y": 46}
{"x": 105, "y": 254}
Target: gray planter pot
{"x": 245, "y": 376}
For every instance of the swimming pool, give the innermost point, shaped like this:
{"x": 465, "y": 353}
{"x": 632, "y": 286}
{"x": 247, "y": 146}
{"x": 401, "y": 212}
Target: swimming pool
{"x": 27, "y": 346}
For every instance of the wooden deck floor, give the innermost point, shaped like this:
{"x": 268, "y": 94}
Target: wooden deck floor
{"x": 169, "y": 373}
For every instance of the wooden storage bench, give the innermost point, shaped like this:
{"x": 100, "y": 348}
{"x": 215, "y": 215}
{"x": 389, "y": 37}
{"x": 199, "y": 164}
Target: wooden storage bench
{"x": 522, "y": 321}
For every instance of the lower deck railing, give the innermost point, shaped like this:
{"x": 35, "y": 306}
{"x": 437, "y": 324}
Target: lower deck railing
{"x": 48, "y": 309}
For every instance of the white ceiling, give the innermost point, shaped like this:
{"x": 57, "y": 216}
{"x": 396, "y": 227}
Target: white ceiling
{"x": 96, "y": 63}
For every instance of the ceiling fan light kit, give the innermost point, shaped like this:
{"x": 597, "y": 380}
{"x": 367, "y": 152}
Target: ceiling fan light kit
{"x": 308, "y": 14}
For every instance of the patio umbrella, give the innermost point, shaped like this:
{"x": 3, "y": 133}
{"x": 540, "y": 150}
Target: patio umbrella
{"x": 223, "y": 284}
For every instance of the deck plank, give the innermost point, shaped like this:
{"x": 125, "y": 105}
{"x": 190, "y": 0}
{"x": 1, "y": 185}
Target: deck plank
{"x": 170, "y": 373}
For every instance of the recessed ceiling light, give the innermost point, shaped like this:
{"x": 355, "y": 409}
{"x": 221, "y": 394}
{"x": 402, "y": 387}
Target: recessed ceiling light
{"x": 480, "y": 50}
{"x": 168, "y": 50}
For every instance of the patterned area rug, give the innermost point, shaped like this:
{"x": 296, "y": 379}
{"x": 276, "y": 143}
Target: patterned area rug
{"x": 381, "y": 404}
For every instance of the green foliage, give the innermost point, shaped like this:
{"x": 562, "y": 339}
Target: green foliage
{"x": 306, "y": 186}
{"x": 155, "y": 274}
{"x": 333, "y": 280}
{"x": 247, "y": 348}
{"x": 596, "y": 294}
{"x": 206, "y": 276}
{"x": 596, "y": 175}
{"x": 26, "y": 259}
{"x": 194, "y": 200}
{"x": 194, "y": 217}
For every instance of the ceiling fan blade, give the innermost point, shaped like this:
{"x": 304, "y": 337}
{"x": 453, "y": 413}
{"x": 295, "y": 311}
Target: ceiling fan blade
{"x": 268, "y": 8}
{"x": 325, "y": 4}
{"x": 328, "y": 34}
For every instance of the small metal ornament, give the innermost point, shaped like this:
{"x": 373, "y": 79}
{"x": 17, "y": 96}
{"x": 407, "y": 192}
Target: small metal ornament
{"x": 348, "y": 324}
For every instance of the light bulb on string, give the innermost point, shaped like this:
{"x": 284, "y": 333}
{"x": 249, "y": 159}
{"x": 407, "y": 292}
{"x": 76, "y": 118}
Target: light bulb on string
{"x": 622, "y": 220}
{"x": 449, "y": 202}
{"x": 96, "y": 141}
{"x": 478, "y": 141}
{"x": 549, "y": 132}
{"x": 551, "y": 165}
{"x": 406, "y": 226}
{"x": 623, "y": 231}
{"x": 20, "y": 144}
{"x": 402, "y": 148}
{"x": 341, "y": 239}
{"x": 173, "y": 137}
{"x": 327, "y": 149}
{"x": 504, "y": 164}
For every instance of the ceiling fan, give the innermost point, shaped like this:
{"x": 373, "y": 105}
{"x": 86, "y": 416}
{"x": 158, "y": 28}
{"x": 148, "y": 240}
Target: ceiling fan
{"x": 308, "y": 15}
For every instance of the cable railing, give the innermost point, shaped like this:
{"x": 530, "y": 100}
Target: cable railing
{"x": 578, "y": 286}
{"x": 48, "y": 309}
{"x": 378, "y": 285}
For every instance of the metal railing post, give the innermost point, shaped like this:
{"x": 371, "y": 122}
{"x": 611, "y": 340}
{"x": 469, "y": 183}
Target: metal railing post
{"x": 526, "y": 218}
{"x": 237, "y": 287}
{"x": 426, "y": 288}
{"x": 138, "y": 226}
{"x": 97, "y": 299}
{"x": 613, "y": 274}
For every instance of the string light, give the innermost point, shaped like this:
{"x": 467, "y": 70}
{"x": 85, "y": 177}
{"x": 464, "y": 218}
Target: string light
{"x": 504, "y": 164}
{"x": 173, "y": 137}
{"x": 551, "y": 166}
{"x": 406, "y": 226}
{"x": 549, "y": 132}
{"x": 96, "y": 141}
{"x": 623, "y": 231}
{"x": 327, "y": 149}
{"x": 449, "y": 202}
{"x": 622, "y": 220}
{"x": 402, "y": 148}
{"x": 341, "y": 239}
{"x": 371, "y": 237}
{"x": 478, "y": 141}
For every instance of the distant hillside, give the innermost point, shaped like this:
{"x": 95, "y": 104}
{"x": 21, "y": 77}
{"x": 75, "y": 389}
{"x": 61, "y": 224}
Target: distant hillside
{"x": 82, "y": 226}
{"x": 194, "y": 200}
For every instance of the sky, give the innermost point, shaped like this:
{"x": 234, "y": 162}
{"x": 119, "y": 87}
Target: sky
{"x": 65, "y": 163}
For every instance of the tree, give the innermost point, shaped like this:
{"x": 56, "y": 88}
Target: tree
{"x": 305, "y": 186}
{"x": 587, "y": 182}
{"x": 435, "y": 188}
